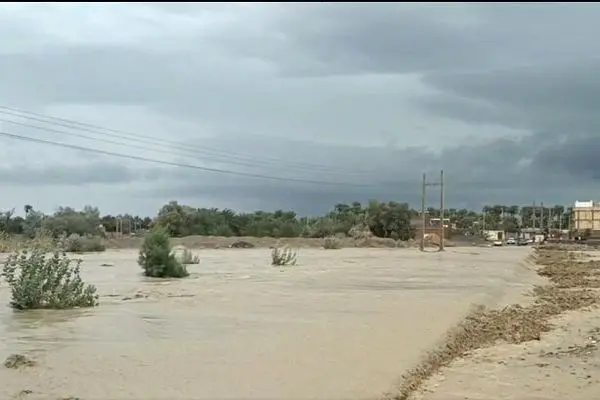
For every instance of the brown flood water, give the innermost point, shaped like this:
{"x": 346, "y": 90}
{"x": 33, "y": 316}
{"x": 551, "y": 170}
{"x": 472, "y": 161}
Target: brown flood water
{"x": 341, "y": 324}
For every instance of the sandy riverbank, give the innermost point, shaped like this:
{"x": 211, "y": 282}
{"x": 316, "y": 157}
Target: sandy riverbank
{"x": 341, "y": 324}
{"x": 563, "y": 364}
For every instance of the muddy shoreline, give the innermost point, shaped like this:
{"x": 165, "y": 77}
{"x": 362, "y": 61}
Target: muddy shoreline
{"x": 544, "y": 348}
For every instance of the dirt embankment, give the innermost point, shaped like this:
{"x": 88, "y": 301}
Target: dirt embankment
{"x": 217, "y": 242}
{"x": 547, "y": 349}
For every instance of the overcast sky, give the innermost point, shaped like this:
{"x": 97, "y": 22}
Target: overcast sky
{"x": 339, "y": 102}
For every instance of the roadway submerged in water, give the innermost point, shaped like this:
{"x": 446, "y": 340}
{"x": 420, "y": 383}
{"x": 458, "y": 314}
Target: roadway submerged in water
{"x": 341, "y": 324}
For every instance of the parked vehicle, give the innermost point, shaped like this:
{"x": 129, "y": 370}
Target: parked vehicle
{"x": 511, "y": 241}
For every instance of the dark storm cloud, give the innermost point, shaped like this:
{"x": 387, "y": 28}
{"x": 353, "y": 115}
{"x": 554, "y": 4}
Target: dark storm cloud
{"x": 578, "y": 156}
{"x": 355, "y": 38}
{"x": 474, "y": 174}
{"x": 523, "y": 66}
{"x": 556, "y": 102}
{"x": 402, "y": 37}
{"x": 366, "y": 94}
{"x": 545, "y": 95}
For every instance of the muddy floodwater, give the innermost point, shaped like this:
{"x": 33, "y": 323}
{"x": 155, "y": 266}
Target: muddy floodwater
{"x": 341, "y": 324}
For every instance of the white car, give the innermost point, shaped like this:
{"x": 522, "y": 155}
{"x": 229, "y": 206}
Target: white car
{"x": 497, "y": 243}
{"x": 511, "y": 241}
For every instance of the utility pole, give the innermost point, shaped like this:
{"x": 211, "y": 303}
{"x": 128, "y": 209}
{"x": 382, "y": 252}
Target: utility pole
{"x": 533, "y": 212}
{"x": 542, "y": 216}
{"x": 423, "y": 193}
{"x": 560, "y": 221}
{"x": 483, "y": 214}
{"x": 425, "y": 184}
{"x": 442, "y": 210}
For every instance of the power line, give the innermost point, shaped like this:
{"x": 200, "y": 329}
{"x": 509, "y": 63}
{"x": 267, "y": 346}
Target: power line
{"x": 140, "y": 147}
{"x": 226, "y": 158}
{"x": 175, "y": 164}
{"x": 123, "y": 135}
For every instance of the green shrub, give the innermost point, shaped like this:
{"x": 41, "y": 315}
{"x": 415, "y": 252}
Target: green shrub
{"x": 83, "y": 244}
{"x": 41, "y": 280}
{"x": 283, "y": 256}
{"x": 43, "y": 239}
{"x": 8, "y": 243}
{"x": 189, "y": 258}
{"x": 156, "y": 258}
{"x": 332, "y": 242}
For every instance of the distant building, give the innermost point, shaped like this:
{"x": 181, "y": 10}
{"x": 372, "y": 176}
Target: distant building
{"x": 586, "y": 215}
{"x": 435, "y": 222}
{"x": 494, "y": 235}
{"x": 531, "y": 232}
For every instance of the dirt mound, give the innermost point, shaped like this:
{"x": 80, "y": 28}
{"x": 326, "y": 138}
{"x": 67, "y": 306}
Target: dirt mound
{"x": 246, "y": 242}
{"x": 373, "y": 241}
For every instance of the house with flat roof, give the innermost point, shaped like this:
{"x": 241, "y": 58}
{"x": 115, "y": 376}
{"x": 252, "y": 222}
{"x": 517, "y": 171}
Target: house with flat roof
{"x": 586, "y": 215}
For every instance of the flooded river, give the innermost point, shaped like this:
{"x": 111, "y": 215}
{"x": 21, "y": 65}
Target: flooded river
{"x": 341, "y": 324}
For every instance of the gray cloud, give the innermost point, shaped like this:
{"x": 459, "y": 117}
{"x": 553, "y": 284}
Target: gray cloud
{"x": 66, "y": 175}
{"x": 362, "y": 98}
{"x": 555, "y": 102}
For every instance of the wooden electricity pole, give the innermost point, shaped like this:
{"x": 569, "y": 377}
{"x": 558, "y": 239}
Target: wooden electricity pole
{"x": 423, "y": 219}
{"x": 442, "y": 210}
{"x": 423, "y": 193}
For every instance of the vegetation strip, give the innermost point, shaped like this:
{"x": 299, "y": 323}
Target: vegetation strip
{"x": 572, "y": 283}
{"x": 387, "y": 220}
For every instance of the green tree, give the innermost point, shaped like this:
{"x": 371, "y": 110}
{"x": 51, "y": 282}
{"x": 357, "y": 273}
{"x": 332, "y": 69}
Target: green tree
{"x": 68, "y": 221}
{"x": 156, "y": 258}
{"x": 390, "y": 220}
{"x": 38, "y": 280}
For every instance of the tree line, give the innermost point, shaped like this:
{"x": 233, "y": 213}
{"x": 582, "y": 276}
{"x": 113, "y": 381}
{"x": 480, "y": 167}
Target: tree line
{"x": 383, "y": 219}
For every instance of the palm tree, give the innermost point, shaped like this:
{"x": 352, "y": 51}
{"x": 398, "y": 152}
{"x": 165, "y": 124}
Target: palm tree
{"x": 28, "y": 208}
